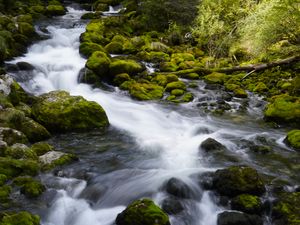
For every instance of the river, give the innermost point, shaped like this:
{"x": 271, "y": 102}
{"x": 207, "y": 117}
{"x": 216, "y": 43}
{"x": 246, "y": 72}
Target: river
{"x": 147, "y": 143}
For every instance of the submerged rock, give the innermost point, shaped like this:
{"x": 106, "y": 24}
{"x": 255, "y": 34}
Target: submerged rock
{"x": 237, "y": 218}
{"x": 172, "y": 205}
{"x": 236, "y": 180}
{"x": 58, "y": 111}
{"x": 178, "y": 188}
{"x": 142, "y": 212}
{"x": 211, "y": 144}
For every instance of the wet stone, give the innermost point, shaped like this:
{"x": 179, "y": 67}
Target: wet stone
{"x": 237, "y": 218}
{"x": 172, "y": 205}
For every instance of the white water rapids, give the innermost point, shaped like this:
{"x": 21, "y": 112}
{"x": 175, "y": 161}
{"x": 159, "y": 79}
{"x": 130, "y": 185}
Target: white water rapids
{"x": 171, "y": 135}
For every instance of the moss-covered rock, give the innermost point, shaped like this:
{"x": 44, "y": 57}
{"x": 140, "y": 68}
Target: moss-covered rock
{"x": 30, "y": 187}
{"x": 142, "y": 212}
{"x": 215, "y": 77}
{"x": 236, "y": 180}
{"x": 55, "y": 10}
{"x": 191, "y": 76}
{"x": 3, "y": 179}
{"x": 13, "y": 168}
{"x": 168, "y": 67}
{"x": 88, "y": 48}
{"x": 20, "y": 151}
{"x": 4, "y": 192}
{"x": 24, "y": 218}
{"x": 283, "y": 108}
{"x": 146, "y": 91}
{"x": 26, "y": 29}
{"x": 175, "y": 85}
{"x": 99, "y": 63}
{"x": 41, "y": 148}
{"x": 130, "y": 67}
{"x": 53, "y": 159}
{"x": 247, "y": 203}
{"x": 260, "y": 88}
{"x": 181, "y": 57}
{"x": 237, "y": 90}
{"x": 293, "y": 139}
{"x": 177, "y": 92}
{"x": 114, "y": 47}
{"x": 286, "y": 209}
{"x": 60, "y": 112}
{"x": 120, "y": 78}
{"x": 11, "y": 136}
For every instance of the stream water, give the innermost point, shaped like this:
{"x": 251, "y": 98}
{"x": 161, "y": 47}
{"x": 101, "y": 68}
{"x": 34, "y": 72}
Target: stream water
{"x": 147, "y": 143}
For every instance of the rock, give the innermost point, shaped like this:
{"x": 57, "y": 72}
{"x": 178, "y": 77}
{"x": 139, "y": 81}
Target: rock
{"x": 293, "y": 139}
{"x": 260, "y": 88}
{"x": 211, "y": 144}
{"x": 60, "y": 112}
{"x": 20, "y": 151}
{"x": 25, "y": 66}
{"x": 172, "y": 206}
{"x": 11, "y": 136}
{"x": 163, "y": 80}
{"x": 205, "y": 180}
{"x": 13, "y": 168}
{"x": 181, "y": 57}
{"x": 3, "y": 179}
{"x": 286, "y": 209}
{"x": 283, "y": 109}
{"x": 55, "y": 10}
{"x": 54, "y": 158}
{"x": 237, "y": 90}
{"x": 177, "y": 92}
{"x": 41, "y": 148}
{"x": 175, "y": 85}
{"x": 24, "y": 218}
{"x": 99, "y": 63}
{"x": 237, "y": 218}
{"x": 145, "y": 91}
{"x": 30, "y": 187}
{"x": 247, "y": 203}
{"x": 236, "y": 180}
{"x": 88, "y": 48}
{"x": 142, "y": 212}
{"x": 4, "y": 193}
{"x": 218, "y": 78}
{"x": 114, "y": 47}
{"x": 130, "y": 67}
{"x": 178, "y": 188}
{"x": 120, "y": 78}
{"x": 261, "y": 149}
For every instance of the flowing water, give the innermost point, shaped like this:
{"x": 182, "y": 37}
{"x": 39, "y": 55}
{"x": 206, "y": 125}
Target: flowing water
{"x": 147, "y": 143}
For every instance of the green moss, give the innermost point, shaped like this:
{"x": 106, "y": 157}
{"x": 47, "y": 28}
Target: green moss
{"x": 191, "y": 76}
{"x": 283, "y": 108}
{"x": 168, "y": 67}
{"x": 288, "y": 208}
{"x": 59, "y": 159}
{"x": 145, "y": 91}
{"x": 20, "y": 151}
{"x": 130, "y": 67}
{"x": 175, "y": 85}
{"x": 142, "y": 212}
{"x": 188, "y": 97}
{"x": 26, "y": 29}
{"x": 120, "y": 78}
{"x": 55, "y": 10}
{"x": 114, "y": 47}
{"x": 60, "y": 112}
{"x": 17, "y": 94}
{"x": 260, "y": 88}
{"x": 215, "y": 77}
{"x": 41, "y": 148}
{"x": 3, "y": 179}
{"x": 20, "y": 218}
{"x": 88, "y": 48}
{"x": 177, "y": 92}
{"x": 293, "y": 139}
{"x": 30, "y": 187}
{"x": 247, "y": 203}
{"x": 99, "y": 63}
{"x": 4, "y": 192}
{"x": 181, "y": 57}
{"x": 237, "y": 90}
{"x": 12, "y": 167}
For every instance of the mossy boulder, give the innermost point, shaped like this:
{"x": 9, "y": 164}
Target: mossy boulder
{"x": 142, "y": 212}
{"x": 236, "y": 180}
{"x": 286, "y": 209}
{"x": 177, "y": 92}
{"x": 168, "y": 67}
{"x": 4, "y": 193}
{"x": 247, "y": 203}
{"x": 175, "y": 85}
{"x": 154, "y": 57}
{"x": 13, "y": 168}
{"x": 99, "y": 63}
{"x": 191, "y": 76}
{"x": 120, "y": 78}
{"x": 238, "y": 218}
{"x": 130, "y": 67}
{"x": 163, "y": 80}
{"x": 20, "y": 151}
{"x": 26, "y": 29}
{"x": 41, "y": 148}
{"x": 114, "y": 47}
{"x": 58, "y": 111}
{"x": 53, "y": 159}
{"x": 30, "y": 187}
{"x": 88, "y": 48}
{"x": 237, "y": 90}
{"x": 24, "y": 218}
{"x": 260, "y": 88}
{"x": 283, "y": 108}
{"x": 55, "y": 10}
{"x": 12, "y": 136}
{"x": 215, "y": 77}
{"x": 3, "y": 179}
{"x": 146, "y": 91}
{"x": 293, "y": 139}
{"x": 181, "y": 57}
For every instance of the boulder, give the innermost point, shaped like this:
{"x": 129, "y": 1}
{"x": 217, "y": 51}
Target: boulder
{"x": 58, "y": 111}
{"x": 20, "y": 151}
{"x": 52, "y": 159}
{"x": 247, "y": 203}
{"x": 172, "y": 206}
{"x": 237, "y": 218}
{"x": 293, "y": 139}
{"x": 30, "y": 187}
{"x": 130, "y": 67}
{"x": 145, "y": 91}
{"x": 24, "y": 218}
{"x": 236, "y": 180}
{"x": 41, "y": 148}
{"x": 175, "y": 85}
{"x": 178, "y": 188}
{"x": 218, "y": 78}
{"x": 88, "y": 48}
{"x": 143, "y": 212}
{"x": 13, "y": 168}
{"x": 99, "y": 63}
{"x": 211, "y": 144}
{"x": 11, "y": 136}
{"x": 55, "y": 10}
